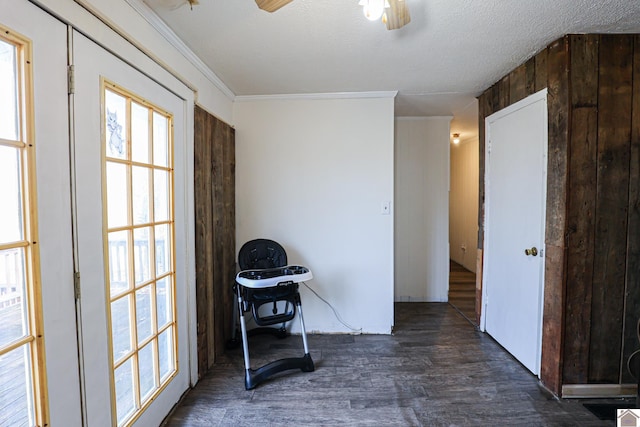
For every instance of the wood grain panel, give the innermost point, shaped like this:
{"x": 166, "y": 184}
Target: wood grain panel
{"x": 612, "y": 202}
{"x": 495, "y": 98}
{"x": 632, "y": 291}
{"x": 223, "y": 163}
{"x": 558, "y": 108}
{"x": 552, "y": 323}
{"x": 540, "y": 79}
{"x": 214, "y": 175}
{"x": 557, "y": 175}
{"x": 203, "y": 229}
{"x": 581, "y": 206}
{"x": 503, "y": 93}
{"x": 229, "y": 229}
{"x": 530, "y": 77}
{"x": 217, "y": 166}
{"x": 518, "y": 84}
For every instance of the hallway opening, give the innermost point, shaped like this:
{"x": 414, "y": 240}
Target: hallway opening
{"x": 462, "y": 291}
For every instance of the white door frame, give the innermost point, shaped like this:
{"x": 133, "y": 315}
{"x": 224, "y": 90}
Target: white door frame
{"x": 536, "y": 97}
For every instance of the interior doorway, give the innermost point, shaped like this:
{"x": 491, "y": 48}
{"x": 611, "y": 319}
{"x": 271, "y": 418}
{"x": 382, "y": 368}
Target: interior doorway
{"x": 463, "y": 220}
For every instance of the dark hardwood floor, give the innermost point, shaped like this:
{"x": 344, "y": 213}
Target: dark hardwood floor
{"x": 435, "y": 370}
{"x": 462, "y": 290}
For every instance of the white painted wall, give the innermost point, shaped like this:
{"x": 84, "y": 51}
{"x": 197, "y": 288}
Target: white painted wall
{"x": 463, "y": 203}
{"x": 422, "y": 214}
{"x": 312, "y": 174}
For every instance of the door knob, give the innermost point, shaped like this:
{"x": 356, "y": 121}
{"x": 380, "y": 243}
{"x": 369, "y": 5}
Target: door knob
{"x": 533, "y": 251}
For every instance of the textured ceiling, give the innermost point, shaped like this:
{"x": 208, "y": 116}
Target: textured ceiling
{"x": 450, "y": 52}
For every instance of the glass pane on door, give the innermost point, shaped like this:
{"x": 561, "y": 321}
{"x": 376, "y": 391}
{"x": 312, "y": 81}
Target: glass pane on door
{"x": 21, "y": 393}
{"x": 13, "y": 308}
{"x": 11, "y": 229}
{"x": 16, "y": 407}
{"x": 9, "y": 117}
{"x": 140, "y": 248}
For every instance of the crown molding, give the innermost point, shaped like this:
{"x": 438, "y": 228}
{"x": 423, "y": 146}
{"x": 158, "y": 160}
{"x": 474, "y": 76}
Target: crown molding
{"x": 315, "y": 96}
{"x": 161, "y": 27}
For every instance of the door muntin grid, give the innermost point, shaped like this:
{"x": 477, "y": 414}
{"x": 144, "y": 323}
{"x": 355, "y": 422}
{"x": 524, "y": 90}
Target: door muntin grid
{"x": 138, "y": 188}
{"x": 23, "y": 383}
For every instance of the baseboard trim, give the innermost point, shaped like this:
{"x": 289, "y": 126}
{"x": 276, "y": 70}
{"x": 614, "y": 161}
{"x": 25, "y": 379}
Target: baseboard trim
{"x": 587, "y": 391}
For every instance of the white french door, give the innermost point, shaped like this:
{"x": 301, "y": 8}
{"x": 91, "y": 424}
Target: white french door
{"x": 515, "y": 182}
{"x": 129, "y": 134}
{"x": 36, "y": 263}
{"x": 130, "y": 319}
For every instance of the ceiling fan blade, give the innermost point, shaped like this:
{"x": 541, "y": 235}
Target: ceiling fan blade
{"x": 272, "y": 5}
{"x": 397, "y": 14}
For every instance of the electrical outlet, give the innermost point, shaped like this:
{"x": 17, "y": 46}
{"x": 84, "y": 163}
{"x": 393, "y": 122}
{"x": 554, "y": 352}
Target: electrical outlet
{"x": 386, "y": 208}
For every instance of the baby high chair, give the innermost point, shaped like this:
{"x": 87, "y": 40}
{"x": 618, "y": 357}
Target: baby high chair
{"x": 267, "y": 282}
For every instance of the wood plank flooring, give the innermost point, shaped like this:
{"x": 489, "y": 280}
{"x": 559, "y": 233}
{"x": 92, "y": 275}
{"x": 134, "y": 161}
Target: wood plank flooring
{"x": 462, "y": 290}
{"x": 435, "y": 370}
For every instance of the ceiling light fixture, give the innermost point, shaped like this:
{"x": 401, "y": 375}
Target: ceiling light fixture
{"x": 373, "y": 9}
{"x": 456, "y": 138}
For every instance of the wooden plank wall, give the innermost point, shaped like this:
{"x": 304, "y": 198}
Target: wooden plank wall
{"x": 592, "y": 277}
{"x": 548, "y": 69}
{"x": 557, "y": 170}
{"x": 581, "y": 222}
{"x": 603, "y": 262}
{"x": 214, "y": 175}
{"x": 632, "y": 290}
